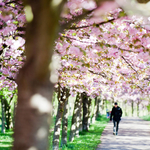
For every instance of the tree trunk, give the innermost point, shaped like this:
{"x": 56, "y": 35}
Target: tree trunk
{"x": 14, "y": 113}
{"x": 35, "y": 84}
{"x": 8, "y": 117}
{"x": 85, "y": 111}
{"x": 58, "y": 126}
{"x": 79, "y": 116}
{"x": 98, "y": 107}
{"x": 95, "y": 110}
{"x": 89, "y": 111}
{"x": 138, "y": 109}
{"x": 126, "y": 114}
{"x": 64, "y": 124}
{"x": 102, "y": 106}
{"x": 62, "y": 97}
{"x": 8, "y": 113}
{"x": 3, "y": 115}
{"x": 74, "y": 119}
{"x": 132, "y": 108}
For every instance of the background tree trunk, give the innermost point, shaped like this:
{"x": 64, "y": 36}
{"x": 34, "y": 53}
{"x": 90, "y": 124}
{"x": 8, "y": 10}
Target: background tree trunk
{"x": 8, "y": 113}
{"x": 35, "y": 83}
{"x": 3, "y": 115}
{"x": 85, "y": 111}
{"x": 102, "y": 106}
{"x": 89, "y": 111}
{"x": 98, "y": 107}
{"x": 126, "y": 114}
{"x": 132, "y": 106}
{"x": 14, "y": 113}
{"x": 65, "y": 121}
{"x": 74, "y": 119}
{"x": 138, "y": 108}
{"x": 95, "y": 110}
{"x": 79, "y": 116}
{"x": 62, "y": 92}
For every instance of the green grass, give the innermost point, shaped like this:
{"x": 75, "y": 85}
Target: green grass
{"x": 6, "y": 140}
{"x": 89, "y": 140}
{"x": 147, "y": 118}
{"x": 86, "y": 140}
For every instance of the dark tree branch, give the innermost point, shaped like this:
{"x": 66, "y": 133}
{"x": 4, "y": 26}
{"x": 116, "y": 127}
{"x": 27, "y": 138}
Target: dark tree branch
{"x": 101, "y": 74}
{"x": 75, "y": 19}
{"x": 143, "y": 1}
{"x": 129, "y": 65}
{"x": 137, "y": 86}
{"x": 97, "y": 24}
{"x": 21, "y": 28}
{"x": 10, "y": 78}
{"x": 99, "y": 43}
{"x": 11, "y": 98}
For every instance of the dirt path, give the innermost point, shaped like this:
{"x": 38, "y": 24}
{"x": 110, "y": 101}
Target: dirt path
{"x": 133, "y": 134}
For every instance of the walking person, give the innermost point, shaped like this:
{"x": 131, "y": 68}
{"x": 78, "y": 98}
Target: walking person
{"x": 116, "y": 113}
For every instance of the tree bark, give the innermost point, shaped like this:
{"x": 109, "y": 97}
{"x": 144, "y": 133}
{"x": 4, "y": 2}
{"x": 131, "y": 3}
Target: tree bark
{"x": 79, "y": 116}
{"x": 62, "y": 97}
{"x": 102, "y": 106}
{"x": 65, "y": 123}
{"x": 95, "y": 110}
{"x": 98, "y": 107}
{"x": 74, "y": 119}
{"x": 3, "y": 115}
{"x": 132, "y": 105}
{"x": 89, "y": 111}
{"x": 138, "y": 109}
{"x": 14, "y": 113}
{"x": 35, "y": 83}
{"x": 126, "y": 114}
{"x": 8, "y": 113}
{"x": 85, "y": 111}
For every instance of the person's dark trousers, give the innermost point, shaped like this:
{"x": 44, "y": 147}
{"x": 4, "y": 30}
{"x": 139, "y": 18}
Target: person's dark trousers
{"x": 116, "y": 126}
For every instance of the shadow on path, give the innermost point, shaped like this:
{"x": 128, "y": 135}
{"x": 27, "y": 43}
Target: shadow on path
{"x": 133, "y": 134}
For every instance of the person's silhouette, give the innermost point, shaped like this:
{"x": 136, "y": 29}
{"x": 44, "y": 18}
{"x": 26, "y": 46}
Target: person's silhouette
{"x": 116, "y": 113}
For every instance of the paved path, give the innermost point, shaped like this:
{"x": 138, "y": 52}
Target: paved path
{"x": 133, "y": 134}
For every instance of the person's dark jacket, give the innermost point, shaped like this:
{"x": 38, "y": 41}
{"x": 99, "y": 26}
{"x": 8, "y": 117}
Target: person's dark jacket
{"x": 116, "y": 113}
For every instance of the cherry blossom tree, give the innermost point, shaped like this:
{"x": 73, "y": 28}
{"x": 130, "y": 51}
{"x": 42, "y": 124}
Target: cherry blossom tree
{"x": 102, "y": 51}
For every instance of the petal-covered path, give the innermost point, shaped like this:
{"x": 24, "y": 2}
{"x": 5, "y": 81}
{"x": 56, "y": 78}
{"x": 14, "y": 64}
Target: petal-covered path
{"x": 133, "y": 134}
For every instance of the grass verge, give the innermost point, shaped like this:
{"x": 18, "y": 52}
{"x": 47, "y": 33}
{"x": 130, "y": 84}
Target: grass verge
{"x": 6, "y": 140}
{"x": 147, "y": 118}
{"x": 89, "y": 140}
{"x": 86, "y": 140}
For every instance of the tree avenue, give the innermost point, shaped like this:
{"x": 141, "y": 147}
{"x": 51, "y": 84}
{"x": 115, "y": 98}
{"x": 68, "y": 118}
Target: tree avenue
{"x": 98, "y": 51}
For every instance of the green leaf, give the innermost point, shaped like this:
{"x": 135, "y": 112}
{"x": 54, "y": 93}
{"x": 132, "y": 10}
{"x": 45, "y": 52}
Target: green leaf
{"x": 15, "y": 22}
{"x": 74, "y": 34}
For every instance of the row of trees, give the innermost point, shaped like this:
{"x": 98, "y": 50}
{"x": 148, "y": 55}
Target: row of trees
{"x": 100, "y": 53}
{"x": 85, "y": 111}
{"x": 83, "y": 114}
{"x": 8, "y": 104}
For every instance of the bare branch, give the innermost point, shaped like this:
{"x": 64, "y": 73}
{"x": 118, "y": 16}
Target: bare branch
{"x": 99, "y": 43}
{"x": 75, "y": 20}
{"x": 97, "y": 24}
{"x": 101, "y": 73}
{"x": 130, "y": 65}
